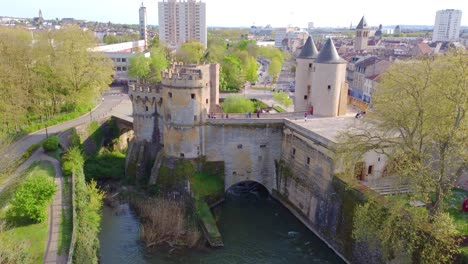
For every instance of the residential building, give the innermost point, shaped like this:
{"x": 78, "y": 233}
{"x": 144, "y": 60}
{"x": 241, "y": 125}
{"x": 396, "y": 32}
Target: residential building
{"x": 447, "y": 25}
{"x": 182, "y": 21}
{"x": 143, "y": 24}
{"x": 420, "y": 49}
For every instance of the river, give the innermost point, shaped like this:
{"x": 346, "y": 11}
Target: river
{"x": 254, "y": 230}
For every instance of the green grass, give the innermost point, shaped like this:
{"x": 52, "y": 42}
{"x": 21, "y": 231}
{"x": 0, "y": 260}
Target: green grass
{"x": 105, "y": 165}
{"x": 66, "y": 222}
{"x": 20, "y": 160}
{"x": 204, "y": 213}
{"x": 95, "y": 132}
{"x": 66, "y": 229}
{"x": 204, "y": 184}
{"x": 34, "y": 234}
{"x": 279, "y": 109}
{"x": 460, "y": 218}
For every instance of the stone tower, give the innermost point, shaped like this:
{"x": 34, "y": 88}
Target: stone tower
{"x": 304, "y": 67}
{"x": 329, "y": 93}
{"x": 362, "y": 36}
{"x": 189, "y": 94}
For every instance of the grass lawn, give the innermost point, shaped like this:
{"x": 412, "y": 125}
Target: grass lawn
{"x": 460, "y": 218}
{"x": 205, "y": 184}
{"x": 34, "y": 234}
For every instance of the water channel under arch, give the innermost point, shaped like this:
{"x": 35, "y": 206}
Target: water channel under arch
{"x": 255, "y": 229}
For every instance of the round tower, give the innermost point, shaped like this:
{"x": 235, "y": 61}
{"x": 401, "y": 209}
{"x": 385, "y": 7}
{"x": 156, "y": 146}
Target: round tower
{"x": 187, "y": 96}
{"x": 329, "y": 93}
{"x": 144, "y": 97}
{"x": 303, "y": 79}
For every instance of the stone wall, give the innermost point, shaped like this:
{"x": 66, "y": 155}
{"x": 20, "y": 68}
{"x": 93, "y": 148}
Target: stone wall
{"x": 249, "y": 151}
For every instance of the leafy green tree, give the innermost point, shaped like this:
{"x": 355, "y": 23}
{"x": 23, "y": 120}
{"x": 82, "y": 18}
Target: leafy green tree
{"x": 250, "y": 68}
{"x": 419, "y": 122}
{"x": 231, "y": 68}
{"x": 274, "y": 69}
{"x": 158, "y": 62}
{"x": 282, "y": 98}
{"x": 31, "y": 199}
{"x": 190, "y": 52}
{"x": 51, "y": 144}
{"x": 237, "y": 104}
{"x": 139, "y": 67}
{"x": 83, "y": 74}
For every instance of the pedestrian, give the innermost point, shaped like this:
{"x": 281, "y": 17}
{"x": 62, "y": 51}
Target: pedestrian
{"x": 305, "y": 117}
{"x": 258, "y": 114}
{"x": 227, "y": 116}
{"x": 222, "y": 116}
{"x": 247, "y": 115}
{"x": 250, "y": 115}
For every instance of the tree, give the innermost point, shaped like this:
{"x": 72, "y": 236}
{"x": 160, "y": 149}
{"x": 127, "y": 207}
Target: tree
{"x": 139, "y": 67}
{"x": 158, "y": 62}
{"x": 190, "y": 52}
{"x": 282, "y": 98}
{"x": 250, "y": 68}
{"x": 237, "y": 104}
{"x": 51, "y": 144}
{"x": 31, "y": 199}
{"x": 274, "y": 68}
{"x": 231, "y": 68}
{"x": 83, "y": 74}
{"x": 419, "y": 122}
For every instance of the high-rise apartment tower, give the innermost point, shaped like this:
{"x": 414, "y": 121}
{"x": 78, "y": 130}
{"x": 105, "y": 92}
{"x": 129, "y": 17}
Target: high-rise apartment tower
{"x": 143, "y": 25}
{"x": 182, "y": 21}
{"x": 447, "y": 25}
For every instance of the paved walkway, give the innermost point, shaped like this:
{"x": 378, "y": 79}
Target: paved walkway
{"x": 55, "y": 216}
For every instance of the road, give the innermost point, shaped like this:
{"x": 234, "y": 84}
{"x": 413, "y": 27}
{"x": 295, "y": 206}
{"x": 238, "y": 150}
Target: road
{"x": 111, "y": 99}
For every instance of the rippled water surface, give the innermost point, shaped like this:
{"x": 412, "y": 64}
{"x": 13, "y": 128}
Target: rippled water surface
{"x": 255, "y": 230}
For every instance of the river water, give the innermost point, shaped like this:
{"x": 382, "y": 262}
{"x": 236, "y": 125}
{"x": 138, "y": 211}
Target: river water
{"x": 255, "y": 230}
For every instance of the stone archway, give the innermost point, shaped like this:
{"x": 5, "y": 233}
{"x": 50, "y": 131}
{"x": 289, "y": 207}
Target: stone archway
{"x": 248, "y": 187}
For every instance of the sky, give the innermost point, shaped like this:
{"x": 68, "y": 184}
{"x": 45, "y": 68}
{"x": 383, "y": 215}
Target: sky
{"x": 245, "y": 13}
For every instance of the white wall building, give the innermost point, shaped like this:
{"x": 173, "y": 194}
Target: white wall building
{"x": 182, "y": 21}
{"x": 447, "y": 25}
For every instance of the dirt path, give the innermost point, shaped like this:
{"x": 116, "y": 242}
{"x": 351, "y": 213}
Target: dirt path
{"x": 55, "y": 216}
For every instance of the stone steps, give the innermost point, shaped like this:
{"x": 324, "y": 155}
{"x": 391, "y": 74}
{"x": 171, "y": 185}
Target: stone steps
{"x": 390, "y": 190}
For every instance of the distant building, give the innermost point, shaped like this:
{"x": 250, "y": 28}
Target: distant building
{"x": 143, "y": 25}
{"x": 182, "y": 21}
{"x": 420, "y": 49}
{"x": 310, "y": 26}
{"x": 397, "y": 30}
{"x": 39, "y": 20}
{"x": 362, "y": 35}
{"x": 447, "y": 25}
{"x": 120, "y": 54}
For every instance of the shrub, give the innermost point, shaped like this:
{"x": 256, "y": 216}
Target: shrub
{"x": 31, "y": 199}
{"x": 51, "y": 144}
{"x": 282, "y": 98}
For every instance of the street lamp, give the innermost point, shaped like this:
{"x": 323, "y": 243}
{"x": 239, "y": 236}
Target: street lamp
{"x": 45, "y": 125}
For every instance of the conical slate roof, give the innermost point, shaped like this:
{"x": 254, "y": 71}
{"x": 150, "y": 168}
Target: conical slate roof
{"x": 362, "y": 24}
{"x": 328, "y": 54}
{"x": 309, "y": 50}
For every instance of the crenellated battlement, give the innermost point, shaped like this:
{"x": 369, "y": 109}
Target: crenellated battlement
{"x": 143, "y": 90}
{"x": 185, "y": 76}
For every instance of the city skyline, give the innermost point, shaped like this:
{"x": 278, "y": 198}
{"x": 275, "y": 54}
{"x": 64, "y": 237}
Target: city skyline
{"x": 244, "y": 13}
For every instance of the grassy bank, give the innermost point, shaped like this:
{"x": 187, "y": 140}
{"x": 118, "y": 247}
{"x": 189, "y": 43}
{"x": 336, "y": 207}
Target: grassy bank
{"x": 34, "y": 235}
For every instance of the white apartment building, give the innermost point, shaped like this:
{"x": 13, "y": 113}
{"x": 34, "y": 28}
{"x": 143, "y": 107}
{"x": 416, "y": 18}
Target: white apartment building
{"x": 447, "y": 25}
{"x": 182, "y": 21}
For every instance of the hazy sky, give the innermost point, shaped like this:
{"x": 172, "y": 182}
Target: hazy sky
{"x": 233, "y": 13}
